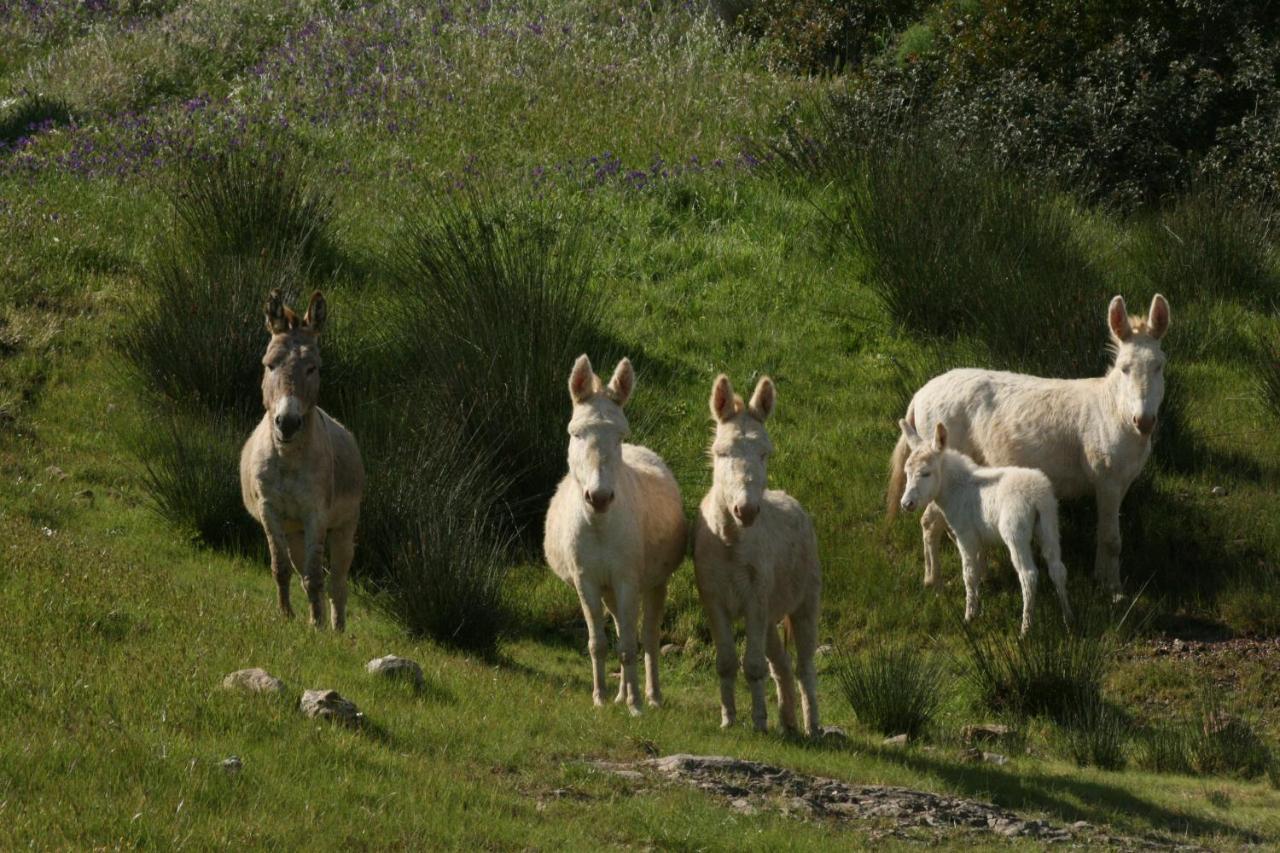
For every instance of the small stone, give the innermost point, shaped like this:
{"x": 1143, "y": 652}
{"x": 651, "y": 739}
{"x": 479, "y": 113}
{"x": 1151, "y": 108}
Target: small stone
{"x": 971, "y": 754}
{"x": 984, "y": 732}
{"x": 1081, "y": 825}
{"x": 995, "y": 758}
{"x": 1008, "y": 828}
{"x": 330, "y": 705}
{"x": 56, "y": 472}
{"x": 897, "y": 740}
{"x": 253, "y": 680}
{"x": 671, "y": 649}
{"x": 743, "y": 806}
{"x": 394, "y": 667}
{"x": 232, "y": 765}
{"x": 823, "y": 650}
{"x": 1218, "y": 492}
{"x": 833, "y": 734}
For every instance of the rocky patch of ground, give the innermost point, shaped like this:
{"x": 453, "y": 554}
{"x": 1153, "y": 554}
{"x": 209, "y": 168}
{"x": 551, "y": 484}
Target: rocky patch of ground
{"x": 901, "y": 813}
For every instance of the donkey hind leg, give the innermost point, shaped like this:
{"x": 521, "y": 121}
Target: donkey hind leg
{"x": 1051, "y": 550}
{"x": 295, "y": 559}
{"x": 755, "y": 666}
{"x": 342, "y": 547}
{"x": 804, "y": 627}
{"x": 313, "y": 574}
{"x": 597, "y": 638}
{"x": 1024, "y": 564}
{"x": 783, "y": 676}
{"x": 933, "y": 525}
{"x": 655, "y": 600}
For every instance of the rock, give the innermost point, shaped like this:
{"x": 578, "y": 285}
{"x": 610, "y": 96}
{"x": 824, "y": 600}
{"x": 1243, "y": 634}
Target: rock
{"x": 232, "y": 765}
{"x": 995, "y": 758}
{"x": 742, "y": 805}
{"x": 254, "y": 681}
{"x": 671, "y": 649}
{"x": 56, "y": 472}
{"x": 394, "y": 667}
{"x": 897, "y": 740}
{"x": 984, "y": 732}
{"x": 823, "y": 650}
{"x": 1008, "y": 827}
{"x": 330, "y": 705}
{"x": 1218, "y": 492}
{"x": 833, "y": 734}
{"x": 971, "y": 754}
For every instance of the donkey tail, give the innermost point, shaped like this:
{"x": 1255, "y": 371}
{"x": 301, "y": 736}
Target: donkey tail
{"x": 897, "y": 477}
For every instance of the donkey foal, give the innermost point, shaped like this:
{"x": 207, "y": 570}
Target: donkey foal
{"x": 300, "y": 472}
{"x": 986, "y": 506}
{"x": 755, "y": 555}
{"x": 615, "y": 529}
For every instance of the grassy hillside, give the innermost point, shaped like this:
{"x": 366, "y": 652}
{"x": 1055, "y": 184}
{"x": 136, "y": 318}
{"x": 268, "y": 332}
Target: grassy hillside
{"x": 639, "y": 123}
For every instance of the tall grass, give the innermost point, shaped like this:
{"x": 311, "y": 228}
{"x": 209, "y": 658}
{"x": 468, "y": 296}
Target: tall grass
{"x": 492, "y": 304}
{"x": 893, "y": 688}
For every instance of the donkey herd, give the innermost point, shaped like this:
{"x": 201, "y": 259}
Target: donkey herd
{"x": 985, "y": 454}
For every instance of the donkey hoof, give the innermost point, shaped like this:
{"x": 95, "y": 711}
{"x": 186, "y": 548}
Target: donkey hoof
{"x": 654, "y": 701}
{"x": 635, "y": 710}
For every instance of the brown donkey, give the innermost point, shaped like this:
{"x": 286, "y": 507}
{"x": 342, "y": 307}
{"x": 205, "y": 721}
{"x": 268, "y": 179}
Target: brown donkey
{"x": 300, "y": 471}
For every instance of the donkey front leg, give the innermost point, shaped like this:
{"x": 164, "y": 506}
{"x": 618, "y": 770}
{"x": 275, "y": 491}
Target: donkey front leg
{"x": 804, "y": 627}
{"x": 628, "y": 646}
{"x": 342, "y": 548}
{"x": 970, "y": 555}
{"x": 783, "y": 676}
{"x": 1107, "y": 562}
{"x": 314, "y": 534}
{"x": 281, "y": 562}
{"x": 933, "y": 525}
{"x": 597, "y": 636}
{"x": 755, "y": 665}
{"x": 726, "y": 662}
{"x": 654, "y": 601}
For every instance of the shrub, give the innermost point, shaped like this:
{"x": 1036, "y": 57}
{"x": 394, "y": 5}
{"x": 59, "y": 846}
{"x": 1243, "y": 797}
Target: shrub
{"x": 28, "y": 115}
{"x": 491, "y": 304}
{"x": 1224, "y": 744}
{"x": 1094, "y": 734}
{"x": 433, "y": 555}
{"x": 954, "y": 247}
{"x": 1052, "y": 672}
{"x": 1267, "y": 366}
{"x": 892, "y": 688}
{"x": 1165, "y": 750}
{"x": 815, "y": 35}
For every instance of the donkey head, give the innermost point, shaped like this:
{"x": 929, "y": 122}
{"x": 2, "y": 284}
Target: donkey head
{"x": 1138, "y": 371}
{"x": 597, "y": 428}
{"x": 291, "y": 366}
{"x": 740, "y": 452}
{"x": 923, "y": 466}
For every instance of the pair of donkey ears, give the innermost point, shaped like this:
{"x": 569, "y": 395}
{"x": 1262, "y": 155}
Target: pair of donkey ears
{"x": 583, "y": 382}
{"x": 282, "y": 318}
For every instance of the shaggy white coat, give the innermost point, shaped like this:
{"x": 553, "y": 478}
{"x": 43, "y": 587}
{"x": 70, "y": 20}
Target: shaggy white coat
{"x": 1089, "y": 436}
{"x": 987, "y": 506}
{"x": 615, "y": 530}
{"x": 755, "y": 556}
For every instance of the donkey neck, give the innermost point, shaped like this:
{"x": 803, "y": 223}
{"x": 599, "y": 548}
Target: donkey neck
{"x": 955, "y": 473}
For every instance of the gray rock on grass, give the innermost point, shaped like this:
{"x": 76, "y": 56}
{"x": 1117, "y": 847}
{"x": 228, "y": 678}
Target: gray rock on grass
{"x": 393, "y": 667}
{"x": 253, "y": 680}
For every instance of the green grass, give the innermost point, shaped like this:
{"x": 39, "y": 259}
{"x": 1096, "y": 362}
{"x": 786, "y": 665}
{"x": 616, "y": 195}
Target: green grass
{"x": 120, "y": 627}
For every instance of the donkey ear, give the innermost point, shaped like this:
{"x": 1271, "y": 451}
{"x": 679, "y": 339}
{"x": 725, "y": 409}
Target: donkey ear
{"x": 763, "y": 399}
{"x": 909, "y": 432}
{"x": 1118, "y": 319}
{"x": 622, "y": 383}
{"x": 1158, "y": 318}
{"x": 722, "y": 408}
{"x": 940, "y": 437}
{"x": 278, "y": 316}
{"x": 317, "y": 312}
{"x": 582, "y": 381}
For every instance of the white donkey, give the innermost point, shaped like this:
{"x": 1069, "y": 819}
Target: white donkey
{"x": 1087, "y": 435}
{"x": 615, "y": 529}
{"x": 300, "y": 472}
{"x": 755, "y": 555}
{"x": 986, "y": 506}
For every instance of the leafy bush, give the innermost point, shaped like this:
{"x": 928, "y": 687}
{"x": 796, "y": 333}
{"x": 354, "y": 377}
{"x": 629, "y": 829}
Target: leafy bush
{"x": 491, "y": 305}
{"x": 815, "y": 35}
{"x": 892, "y": 688}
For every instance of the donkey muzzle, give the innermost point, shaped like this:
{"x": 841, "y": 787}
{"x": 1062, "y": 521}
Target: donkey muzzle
{"x": 1144, "y": 423}
{"x": 287, "y": 425}
{"x": 599, "y": 501}
{"x": 908, "y": 504}
{"x": 746, "y": 513}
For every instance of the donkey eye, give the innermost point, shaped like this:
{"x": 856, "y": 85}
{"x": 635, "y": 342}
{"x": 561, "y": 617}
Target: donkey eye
{"x": 311, "y": 369}
{"x": 924, "y": 474}
{"x": 1159, "y": 368}
{"x": 1125, "y": 370}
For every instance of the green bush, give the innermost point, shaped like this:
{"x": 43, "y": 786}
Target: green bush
{"x": 817, "y": 35}
{"x": 892, "y": 688}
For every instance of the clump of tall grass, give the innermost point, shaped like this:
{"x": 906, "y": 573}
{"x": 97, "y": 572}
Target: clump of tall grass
{"x": 1266, "y": 361}
{"x": 492, "y": 302}
{"x": 956, "y": 247}
{"x": 1212, "y": 743}
{"x": 893, "y": 688}
{"x": 433, "y": 552}
{"x": 1095, "y": 734}
{"x": 30, "y": 114}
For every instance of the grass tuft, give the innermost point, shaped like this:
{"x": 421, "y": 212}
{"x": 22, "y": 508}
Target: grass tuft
{"x": 892, "y": 688}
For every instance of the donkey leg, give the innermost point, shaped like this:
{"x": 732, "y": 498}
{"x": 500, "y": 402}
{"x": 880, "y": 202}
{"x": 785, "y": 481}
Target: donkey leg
{"x": 933, "y": 525}
{"x": 1052, "y": 553}
{"x": 611, "y": 605}
{"x": 313, "y": 574}
{"x": 755, "y": 666}
{"x": 804, "y": 627}
{"x": 1024, "y": 564}
{"x": 628, "y": 646}
{"x": 342, "y": 548}
{"x": 655, "y": 600}
{"x": 281, "y": 563}
{"x": 597, "y": 641}
{"x": 726, "y": 663}
{"x": 1107, "y": 563}
{"x": 784, "y": 677}
{"x": 970, "y": 553}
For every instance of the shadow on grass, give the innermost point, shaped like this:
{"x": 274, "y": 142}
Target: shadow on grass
{"x": 1066, "y": 798}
